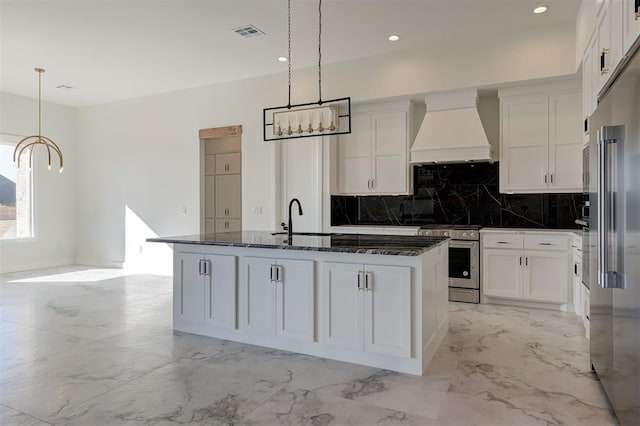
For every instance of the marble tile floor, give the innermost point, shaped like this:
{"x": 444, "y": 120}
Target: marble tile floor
{"x": 82, "y": 346}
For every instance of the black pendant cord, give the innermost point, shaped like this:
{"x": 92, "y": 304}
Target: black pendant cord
{"x": 289, "y": 53}
{"x": 320, "y": 52}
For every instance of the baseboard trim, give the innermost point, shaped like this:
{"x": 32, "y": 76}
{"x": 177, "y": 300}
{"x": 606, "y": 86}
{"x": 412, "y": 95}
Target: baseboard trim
{"x": 27, "y": 266}
{"x": 86, "y": 261}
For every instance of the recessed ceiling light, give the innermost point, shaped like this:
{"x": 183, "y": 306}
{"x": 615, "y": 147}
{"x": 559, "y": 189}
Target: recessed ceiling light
{"x": 282, "y": 59}
{"x": 394, "y": 37}
{"x": 540, "y": 9}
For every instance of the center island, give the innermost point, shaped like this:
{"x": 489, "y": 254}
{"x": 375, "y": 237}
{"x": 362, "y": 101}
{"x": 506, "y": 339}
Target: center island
{"x": 374, "y": 300}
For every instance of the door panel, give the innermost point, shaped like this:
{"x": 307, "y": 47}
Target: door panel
{"x": 220, "y": 290}
{"x": 341, "y": 305}
{"x": 189, "y": 296}
{"x": 387, "y": 310}
{"x": 295, "y": 299}
{"x": 565, "y": 143}
{"x": 354, "y": 157}
{"x": 547, "y": 276}
{"x": 389, "y": 153}
{"x": 502, "y": 273}
{"x": 228, "y": 163}
{"x": 257, "y": 295}
{"x": 228, "y": 196}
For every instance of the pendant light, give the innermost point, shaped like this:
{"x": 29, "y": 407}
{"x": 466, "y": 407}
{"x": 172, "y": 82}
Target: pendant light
{"x": 32, "y": 141}
{"x": 321, "y": 118}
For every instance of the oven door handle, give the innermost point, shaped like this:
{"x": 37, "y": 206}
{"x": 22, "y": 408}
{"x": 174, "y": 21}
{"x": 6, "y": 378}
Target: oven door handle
{"x": 463, "y": 244}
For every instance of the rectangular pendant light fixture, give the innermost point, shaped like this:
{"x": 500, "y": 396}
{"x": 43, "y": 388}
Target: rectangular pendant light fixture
{"x": 332, "y": 117}
{"x": 321, "y": 118}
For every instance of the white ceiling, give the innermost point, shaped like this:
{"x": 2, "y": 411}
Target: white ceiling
{"x": 113, "y": 50}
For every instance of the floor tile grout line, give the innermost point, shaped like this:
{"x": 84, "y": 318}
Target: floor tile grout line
{"x": 26, "y": 414}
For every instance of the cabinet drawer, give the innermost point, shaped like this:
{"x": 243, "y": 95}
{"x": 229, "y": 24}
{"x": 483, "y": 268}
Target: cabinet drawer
{"x": 506, "y": 240}
{"x": 546, "y": 242}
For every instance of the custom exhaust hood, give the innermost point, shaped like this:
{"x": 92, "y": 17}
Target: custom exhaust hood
{"x": 452, "y": 131}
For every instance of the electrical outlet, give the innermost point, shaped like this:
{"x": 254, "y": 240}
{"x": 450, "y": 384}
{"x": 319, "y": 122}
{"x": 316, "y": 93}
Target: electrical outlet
{"x": 184, "y": 210}
{"x": 257, "y": 210}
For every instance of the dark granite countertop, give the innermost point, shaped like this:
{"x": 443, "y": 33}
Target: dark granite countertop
{"x": 390, "y": 245}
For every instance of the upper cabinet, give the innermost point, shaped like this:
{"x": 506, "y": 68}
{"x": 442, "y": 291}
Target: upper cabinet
{"x": 616, "y": 28}
{"x": 630, "y": 23}
{"x": 541, "y": 139}
{"x": 374, "y": 158}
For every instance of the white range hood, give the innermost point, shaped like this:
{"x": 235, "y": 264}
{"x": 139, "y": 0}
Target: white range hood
{"x": 451, "y": 130}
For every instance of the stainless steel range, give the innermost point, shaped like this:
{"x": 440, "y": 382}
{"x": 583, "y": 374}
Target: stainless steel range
{"x": 464, "y": 259}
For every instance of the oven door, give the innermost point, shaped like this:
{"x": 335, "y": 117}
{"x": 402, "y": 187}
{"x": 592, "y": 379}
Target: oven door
{"x": 463, "y": 264}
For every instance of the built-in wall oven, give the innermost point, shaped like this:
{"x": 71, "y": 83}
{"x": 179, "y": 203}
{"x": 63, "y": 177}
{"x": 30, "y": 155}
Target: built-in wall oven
{"x": 464, "y": 260}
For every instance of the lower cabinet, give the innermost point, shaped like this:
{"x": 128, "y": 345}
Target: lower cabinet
{"x": 205, "y": 289}
{"x": 539, "y": 275}
{"x": 367, "y": 307}
{"x": 277, "y": 297}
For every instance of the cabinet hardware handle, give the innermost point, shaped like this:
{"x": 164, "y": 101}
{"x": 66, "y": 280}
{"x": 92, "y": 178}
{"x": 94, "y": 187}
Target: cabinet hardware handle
{"x": 575, "y": 269}
{"x": 503, "y": 242}
{"x": 551, "y": 178}
{"x": 545, "y": 178}
{"x": 279, "y": 274}
{"x": 373, "y": 183}
{"x": 545, "y": 244}
{"x": 200, "y": 267}
{"x": 272, "y": 273}
{"x": 369, "y": 183}
{"x": 603, "y": 70}
{"x": 366, "y": 281}
{"x": 526, "y": 261}
{"x": 360, "y": 273}
{"x": 520, "y": 260}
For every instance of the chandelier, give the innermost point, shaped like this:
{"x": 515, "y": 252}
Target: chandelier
{"x": 32, "y": 141}
{"x": 321, "y": 118}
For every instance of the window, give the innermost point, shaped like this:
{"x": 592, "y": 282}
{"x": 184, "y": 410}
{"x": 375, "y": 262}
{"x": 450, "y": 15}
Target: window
{"x": 16, "y": 218}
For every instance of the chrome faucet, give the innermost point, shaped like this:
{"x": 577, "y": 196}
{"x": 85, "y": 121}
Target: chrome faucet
{"x": 289, "y": 227}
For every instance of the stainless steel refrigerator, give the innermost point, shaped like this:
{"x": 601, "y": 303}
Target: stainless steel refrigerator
{"x": 614, "y": 239}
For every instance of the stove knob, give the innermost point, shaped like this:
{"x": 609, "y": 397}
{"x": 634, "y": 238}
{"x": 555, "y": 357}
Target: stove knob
{"x": 446, "y": 233}
{"x": 464, "y": 234}
{"x": 472, "y": 235}
{"x": 420, "y": 233}
{"x": 427, "y": 233}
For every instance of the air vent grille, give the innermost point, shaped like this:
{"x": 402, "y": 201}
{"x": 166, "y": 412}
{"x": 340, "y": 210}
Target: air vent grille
{"x": 248, "y": 31}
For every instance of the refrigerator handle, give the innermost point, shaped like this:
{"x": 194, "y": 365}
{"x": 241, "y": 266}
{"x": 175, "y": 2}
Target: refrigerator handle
{"x": 607, "y": 136}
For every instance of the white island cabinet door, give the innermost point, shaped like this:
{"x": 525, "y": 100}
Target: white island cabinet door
{"x": 295, "y": 299}
{"x": 547, "y": 276}
{"x": 387, "y": 310}
{"x": 257, "y": 295}
{"x": 189, "y": 289}
{"x": 342, "y": 305}
{"x": 220, "y": 290}
{"x": 502, "y": 273}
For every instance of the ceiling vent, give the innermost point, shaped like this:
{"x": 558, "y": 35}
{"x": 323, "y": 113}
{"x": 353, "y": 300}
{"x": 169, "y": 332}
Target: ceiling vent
{"x": 248, "y": 31}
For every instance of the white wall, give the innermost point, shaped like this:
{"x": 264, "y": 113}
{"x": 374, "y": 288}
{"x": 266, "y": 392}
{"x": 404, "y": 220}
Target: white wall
{"x": 54, "y": 195}
{"x": 143, "y": 153}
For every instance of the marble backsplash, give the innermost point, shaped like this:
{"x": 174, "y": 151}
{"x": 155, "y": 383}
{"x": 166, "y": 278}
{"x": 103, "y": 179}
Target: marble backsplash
{"x": 459, "y": 194}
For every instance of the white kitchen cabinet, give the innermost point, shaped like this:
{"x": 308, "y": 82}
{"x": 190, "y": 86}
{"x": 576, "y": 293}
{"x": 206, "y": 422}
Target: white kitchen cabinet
{"x": 609, "y": 33}
{"x": 532, "y": 267}
{"x": 546, "y": 276}
{"x": 630, "y": 23}
{"x": 228, "y": 203}
{"x": 205, "y": 290}
{"x": 221, "y": 186}
{"x": 277, "y": 297}
{"x": 373, "y": 159}
{"x": 367, "y": 307}
{"x": 502, "y": 273}
{"x": 589, "y": 100}
{"x": 227, "y": 164}
{"x": 227, "y": 225}
{"x": 541, "y": 139}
